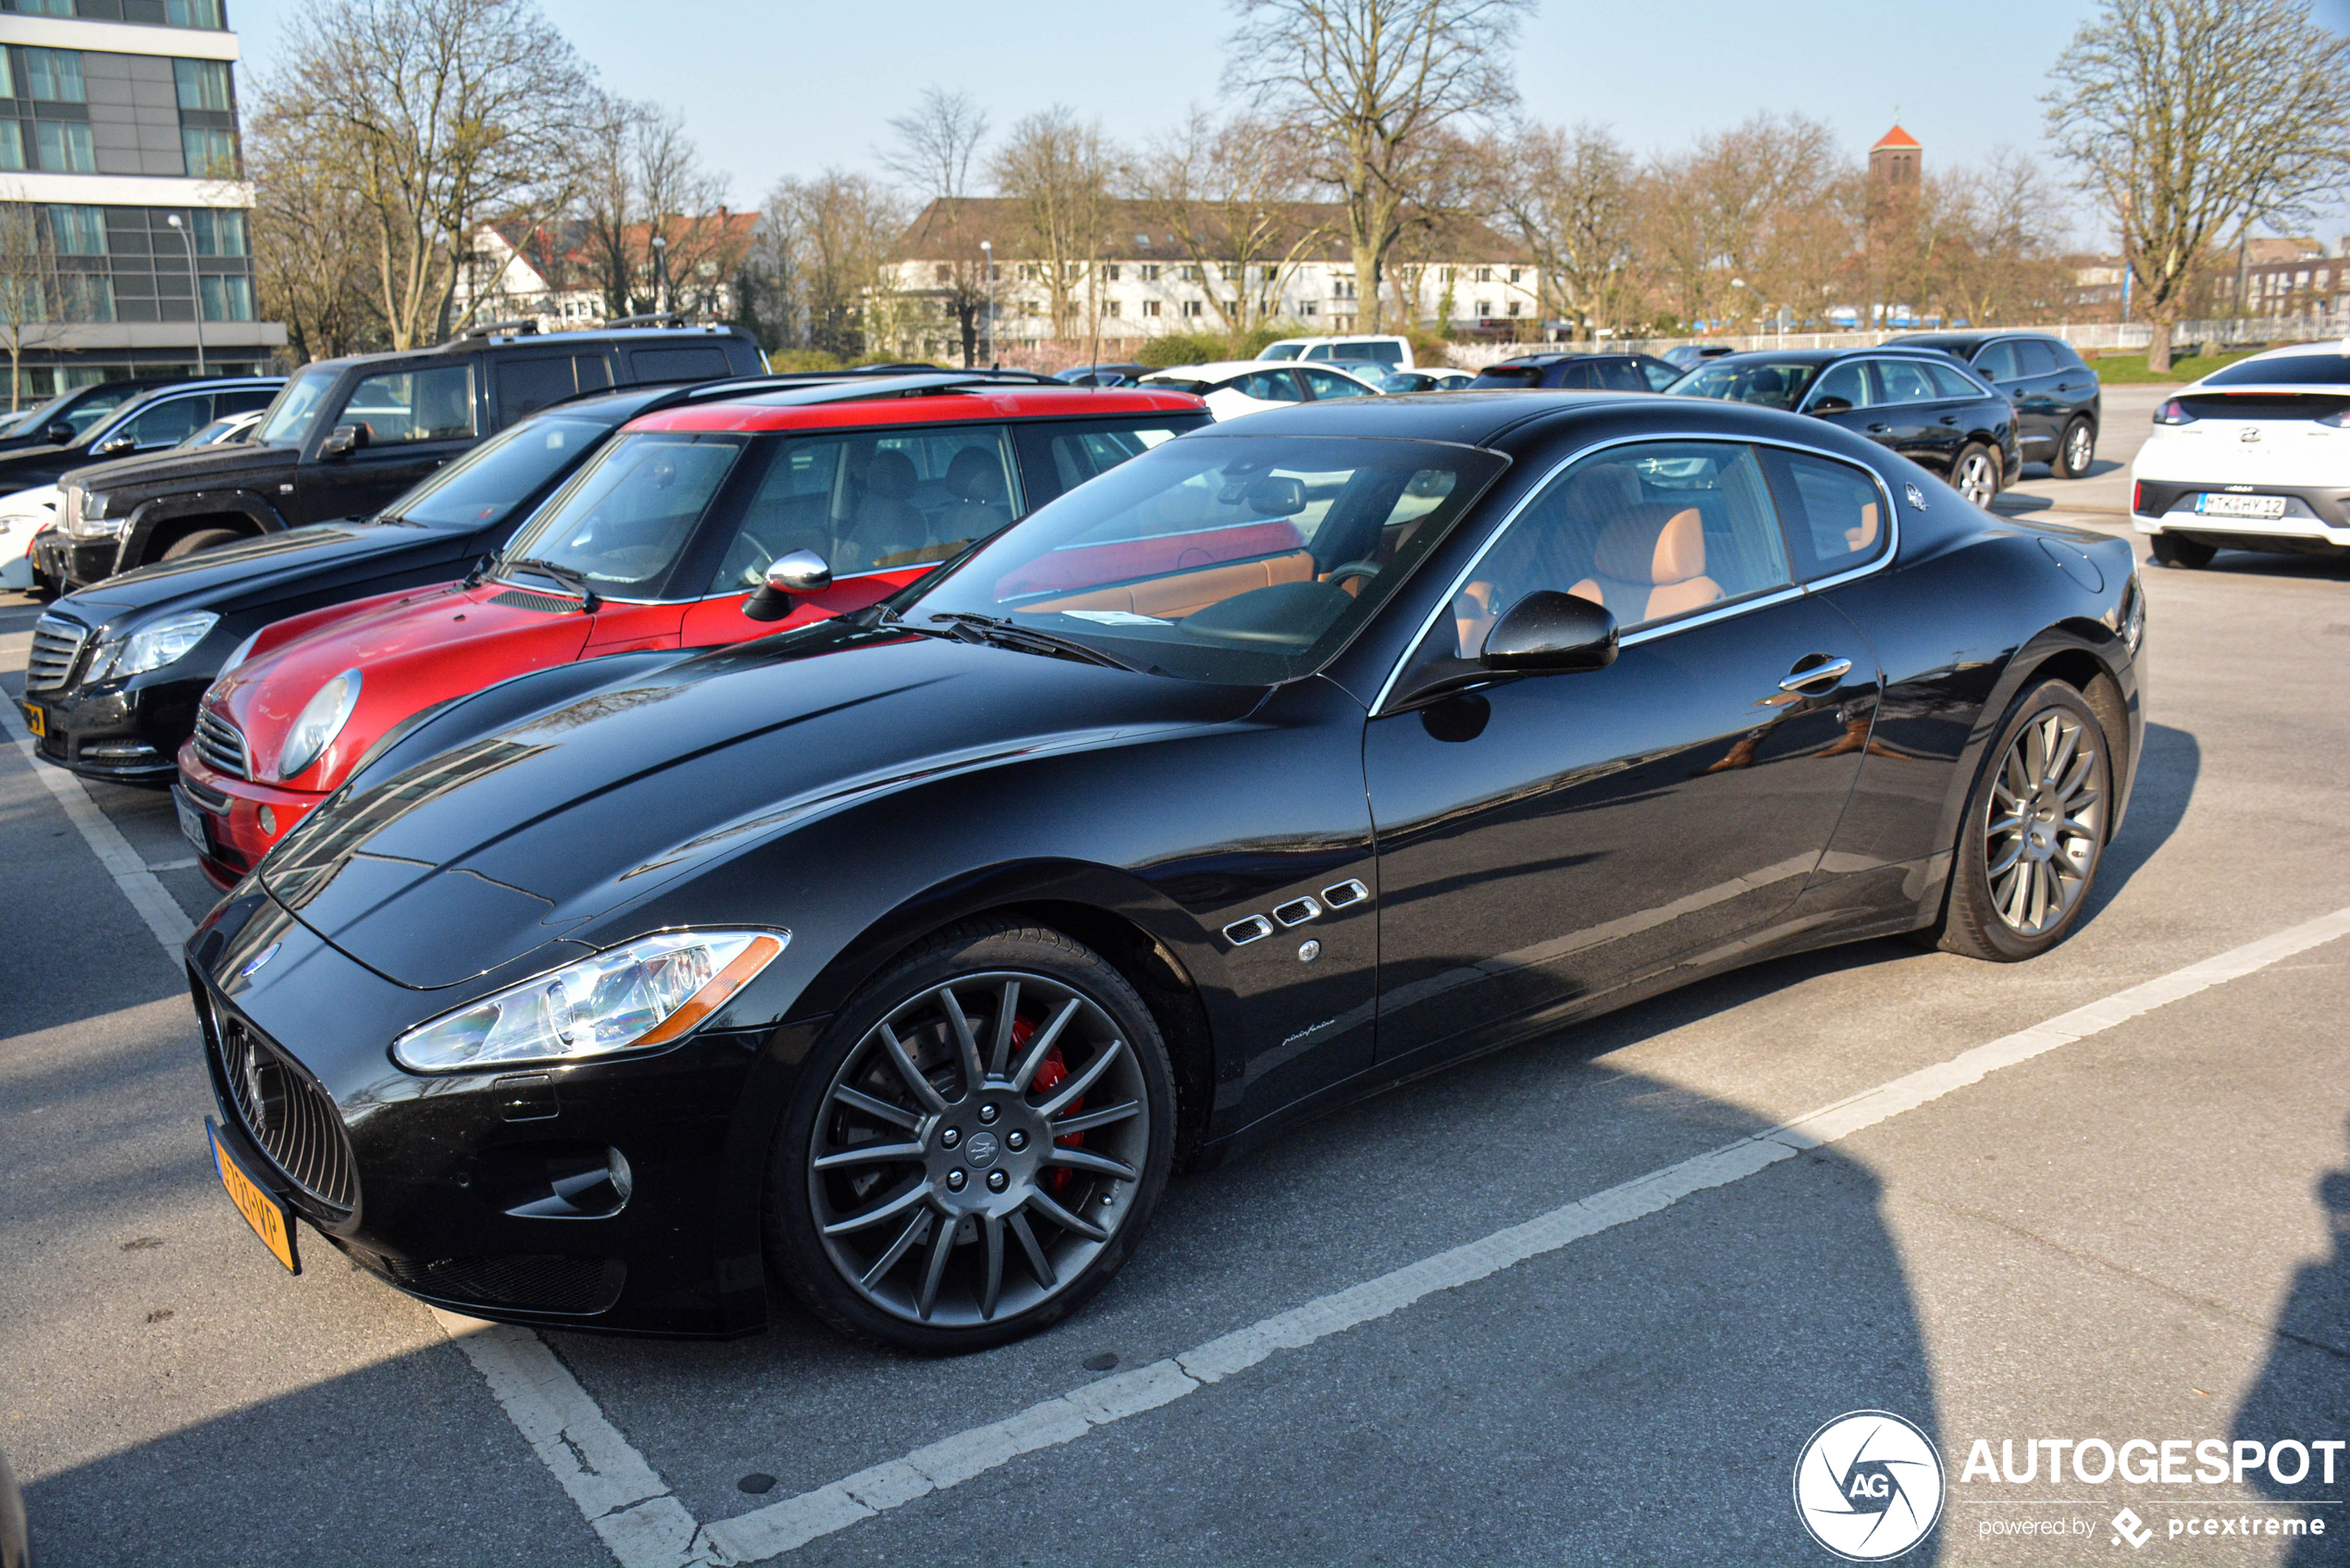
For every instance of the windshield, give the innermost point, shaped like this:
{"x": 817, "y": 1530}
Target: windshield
{"x": 1774, "y": 384}
{"x": 289, "y": 418}
{"x": 2286, "y": 370}
{"x": 1241, "y": 559}
{"x": 1281, "y": 351}
{"x": 500, "y": 474}
{"x": 624, "y": 521}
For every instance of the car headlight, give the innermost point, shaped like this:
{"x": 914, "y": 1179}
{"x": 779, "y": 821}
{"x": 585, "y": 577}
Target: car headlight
{"x": 152, "y": 647}
{"x": 321, "y": 718}
{"x": 647, "y": 993}
{"x": 85, "y": 514}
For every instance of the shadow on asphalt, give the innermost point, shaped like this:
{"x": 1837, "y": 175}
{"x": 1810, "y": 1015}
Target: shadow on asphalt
{"x": 2299, "y": 1395}
{"x": 2167, "y": 768}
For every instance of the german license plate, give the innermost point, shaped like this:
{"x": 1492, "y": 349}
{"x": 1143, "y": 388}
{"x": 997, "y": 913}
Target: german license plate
{"x": 36, "y": 717}
{"x": 270, "y": 1219}
{"x": 2240, "y": 506}
{"x": 192, "y": 823}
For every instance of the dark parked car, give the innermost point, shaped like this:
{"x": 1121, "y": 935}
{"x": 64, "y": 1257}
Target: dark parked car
{"x": 1104, "y": 375}
{"x": 2058, "y": 404}
{"x": 901, "y": 957}
{"x": 59, "y": 421}
{"x": 116, "y": 671}
{"x": 1685, "y": 356}
{"x": 1580, "y": 372}
{"x": 346, "y": 435}
{"x": 153, "y": 421}
{"x": 1918, "y": 402}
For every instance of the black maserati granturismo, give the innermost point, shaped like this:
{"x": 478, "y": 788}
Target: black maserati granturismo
{"x": 897, "y": 961}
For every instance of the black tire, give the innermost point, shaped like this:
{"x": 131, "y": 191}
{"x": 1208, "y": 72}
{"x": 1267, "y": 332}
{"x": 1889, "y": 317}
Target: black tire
{"x": 1999, "y": 907}
{"x": 2191, "y": 555}
{"x": 2076, "y": 450}
{"x": 923, "y": 1285}
{"x": 200, "y": 538}
{"x": 1976, "y": 465}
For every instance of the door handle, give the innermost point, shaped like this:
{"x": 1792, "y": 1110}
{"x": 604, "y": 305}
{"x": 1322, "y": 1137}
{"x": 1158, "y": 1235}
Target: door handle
{"x": 1801, "y": 680}
{"x": 1950, "y": 419}
{"x": 1879, "y": 429}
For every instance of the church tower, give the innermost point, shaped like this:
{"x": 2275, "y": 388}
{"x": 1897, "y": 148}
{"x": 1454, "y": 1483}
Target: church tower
{"x": 1893, "y": 163}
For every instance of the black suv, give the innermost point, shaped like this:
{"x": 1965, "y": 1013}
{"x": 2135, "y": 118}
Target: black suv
{"x": 2058, "y": 404}
{"x": 1580, "y": 372}
{"x": 1921, "y": 403}
{"x": 150, "y": 422}
{"x": 345, "y": 436}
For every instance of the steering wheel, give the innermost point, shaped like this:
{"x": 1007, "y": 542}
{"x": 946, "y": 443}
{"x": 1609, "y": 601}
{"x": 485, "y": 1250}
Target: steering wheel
{"x": 1338, "y": 574}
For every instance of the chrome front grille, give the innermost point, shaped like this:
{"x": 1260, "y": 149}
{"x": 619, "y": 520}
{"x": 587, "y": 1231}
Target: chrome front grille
{"x": 57, "y": 648}
{"x": 284, "y": 1111}
{"x": 221, "y": 744}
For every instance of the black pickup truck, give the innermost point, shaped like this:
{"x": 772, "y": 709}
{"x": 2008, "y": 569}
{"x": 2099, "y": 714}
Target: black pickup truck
{"x": 345, "y": 436}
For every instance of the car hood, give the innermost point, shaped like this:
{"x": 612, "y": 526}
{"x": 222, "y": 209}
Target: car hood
{"x": 252, "y": 574}
{"x": 522, "y": 837}
{"x": 232, "y": 464}
{"x": 414, "y": 651}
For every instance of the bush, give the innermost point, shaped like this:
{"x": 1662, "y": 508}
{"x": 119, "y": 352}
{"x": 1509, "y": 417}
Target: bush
{"x": 1252, "y": 343}
{"x": 786, "y": 359}
{"x": 1428, "y": 348}
{"x": 1185, "y": 348}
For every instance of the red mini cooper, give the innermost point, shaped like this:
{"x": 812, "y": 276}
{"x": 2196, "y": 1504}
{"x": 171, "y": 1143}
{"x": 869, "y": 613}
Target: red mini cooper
{"x": 664, "y": 540}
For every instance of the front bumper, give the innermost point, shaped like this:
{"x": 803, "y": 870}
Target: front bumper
{"x": 2317, "y": 517}
{"x": 69, "y": 563}
{"x": 119, "y": 731}
{"x": 236, "y": 834}
{"x": 452, "y": 1188}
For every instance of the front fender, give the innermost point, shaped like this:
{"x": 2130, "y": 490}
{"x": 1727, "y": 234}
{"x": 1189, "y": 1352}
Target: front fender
{"x": 149, "y": 517}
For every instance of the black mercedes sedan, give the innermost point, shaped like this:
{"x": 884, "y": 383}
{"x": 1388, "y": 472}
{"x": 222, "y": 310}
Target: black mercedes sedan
{"x": 2059, "y": 403}
{"x": 1921, "y": 403}
{"x": 897, "y": 961}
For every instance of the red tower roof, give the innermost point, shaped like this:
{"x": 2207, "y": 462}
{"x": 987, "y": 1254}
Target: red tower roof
{"x": 1897, "y": 137}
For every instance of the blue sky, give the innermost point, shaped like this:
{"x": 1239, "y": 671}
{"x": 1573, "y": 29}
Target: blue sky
{"x": 777, "y": 87}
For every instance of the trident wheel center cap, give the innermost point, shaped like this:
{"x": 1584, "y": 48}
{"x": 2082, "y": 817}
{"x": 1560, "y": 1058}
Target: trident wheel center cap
{"x": 980, "y": 1150}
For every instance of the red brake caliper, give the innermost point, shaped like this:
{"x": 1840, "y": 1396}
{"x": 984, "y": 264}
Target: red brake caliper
{"x": 1049, "y": 1072}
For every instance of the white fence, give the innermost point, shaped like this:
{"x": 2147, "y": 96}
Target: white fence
{"x": 2125, "y": 335}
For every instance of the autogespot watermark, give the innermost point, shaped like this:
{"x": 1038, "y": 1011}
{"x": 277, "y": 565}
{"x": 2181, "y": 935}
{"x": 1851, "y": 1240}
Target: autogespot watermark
{"x": 1868, "y": 1486}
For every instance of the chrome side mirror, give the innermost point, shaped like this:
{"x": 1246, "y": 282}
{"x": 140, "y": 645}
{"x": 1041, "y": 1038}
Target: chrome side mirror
{"x": 795, "y": 572}
{"x": 343, "y": 441}
{"x": 115, "y": 446}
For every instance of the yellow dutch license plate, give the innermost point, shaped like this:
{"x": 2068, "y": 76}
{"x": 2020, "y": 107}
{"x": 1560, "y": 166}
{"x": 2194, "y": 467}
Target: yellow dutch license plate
{"x": 35, "y": 719}
{"x": 269, "y": 1218}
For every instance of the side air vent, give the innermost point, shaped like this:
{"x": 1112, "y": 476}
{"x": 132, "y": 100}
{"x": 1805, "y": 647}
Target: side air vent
{"x": 555, "y": 604}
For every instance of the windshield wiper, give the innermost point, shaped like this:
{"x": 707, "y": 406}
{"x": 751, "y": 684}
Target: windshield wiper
{"x": 562, "y": 574}
{"x": 1027, "y": 639}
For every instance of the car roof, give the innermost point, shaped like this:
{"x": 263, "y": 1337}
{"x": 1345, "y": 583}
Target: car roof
{"x": 1218, "y": 369}
{"x": 1471, "y": 418}
{"x": 506, "y": 340}
{"x": 912, "y": 400}
{"x": 1829, "y": 356}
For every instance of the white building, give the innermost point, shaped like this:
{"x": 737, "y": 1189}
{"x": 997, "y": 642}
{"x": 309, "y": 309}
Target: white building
{"x": 118, "y": 129}
{"x": 547, "y": 272}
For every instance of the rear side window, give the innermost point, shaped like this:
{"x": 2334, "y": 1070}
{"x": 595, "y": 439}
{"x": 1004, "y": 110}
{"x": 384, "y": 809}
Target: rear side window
{"x": 1059, "y": 458}
{"x": 698, "y": 361}
{"x": 1620, "y": 376}
{"x": 1272, "y": 386}
{"x": 1847, "y": 382}
{"x": 1951, "y": 383}
{"x": 1508, "y": 376}
{"x": 1575, "y": 378}
{"x": 1835, "y": 515}
{"x": 168, "y": 423}
{"x": 435, "y": 404}
{"x": 1328, "y": 384}
{"x": 525, "y": 386}
{"x": 1903, "y": 381}
{"x": 2036, "y": 357}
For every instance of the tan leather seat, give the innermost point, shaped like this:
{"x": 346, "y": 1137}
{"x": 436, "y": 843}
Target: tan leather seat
{"x": 1650, "y": 566}
{"x": 1864, "y": 538}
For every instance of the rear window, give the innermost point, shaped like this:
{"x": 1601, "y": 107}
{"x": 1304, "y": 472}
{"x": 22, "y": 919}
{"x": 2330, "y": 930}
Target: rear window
{"x": 2251, "y": 405}
{"x": 2288, "y": 370}
{"x": 1509, "y": 375}
{"x": 698, "y": 361}
{"x": 1773, "y": 385}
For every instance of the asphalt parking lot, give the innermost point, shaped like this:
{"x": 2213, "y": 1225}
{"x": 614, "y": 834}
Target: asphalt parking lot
{"x": 1580, "y": 1303}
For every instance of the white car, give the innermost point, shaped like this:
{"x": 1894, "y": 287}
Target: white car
{"x": 2254, "y": 456}
{"x": 1390, "y": 350}
{"x": 25, "y": 512}
{"x": 1232, "y": 387}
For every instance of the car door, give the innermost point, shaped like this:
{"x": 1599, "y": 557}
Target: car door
{"x": 164, "y": 423}
{"x": 1545, "y": 840}
{"x": 413, "y": 418}
{"x": 2040, "y": 406}
{"x": 1846, "y": 395}
{"x": 1910, "y": 414}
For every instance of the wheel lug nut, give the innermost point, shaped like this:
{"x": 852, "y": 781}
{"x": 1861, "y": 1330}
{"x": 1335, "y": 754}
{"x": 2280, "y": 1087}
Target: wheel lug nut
{"x": 998, "y": 1181}
{"x": 1014, "y": 1140}
{"x": 954, "y": 1179}
{"x": 987, "y": 1113}
{"x": 949, "y": 1138}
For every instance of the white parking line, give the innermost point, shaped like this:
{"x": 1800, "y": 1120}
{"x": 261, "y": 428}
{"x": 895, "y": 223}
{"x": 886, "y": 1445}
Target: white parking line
{"x": 149, "y": 897}
{"x": 793, "y": 1523}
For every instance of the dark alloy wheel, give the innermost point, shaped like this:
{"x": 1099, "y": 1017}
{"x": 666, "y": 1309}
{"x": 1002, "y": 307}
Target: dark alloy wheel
{"x": 2076, "y": 450}
{"x": 1975, "y": 475}
{"x": 2034, "y": 832}
{"x": 201, "y": 539}
{"x": 977, "y": 1143}
{"x": 2172, "y": 550}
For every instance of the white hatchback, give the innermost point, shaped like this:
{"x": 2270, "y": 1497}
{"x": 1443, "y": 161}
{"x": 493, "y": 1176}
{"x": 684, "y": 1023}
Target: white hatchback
{"x": 1232, "y": 387}
{"x": 2254, "y": 456}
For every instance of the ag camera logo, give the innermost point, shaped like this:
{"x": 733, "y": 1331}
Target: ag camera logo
{"x": 1868, "y": 1485}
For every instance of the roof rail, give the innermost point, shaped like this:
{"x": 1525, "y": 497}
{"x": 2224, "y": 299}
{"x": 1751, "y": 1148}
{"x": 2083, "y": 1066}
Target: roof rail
{"x": 659, "y": 319}
{"x": 518, "y": 326}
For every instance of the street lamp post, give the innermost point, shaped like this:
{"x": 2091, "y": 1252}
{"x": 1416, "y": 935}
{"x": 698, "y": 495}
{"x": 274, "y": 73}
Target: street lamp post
{"x": 987, "y": 264}
{"x": 195, "y": 290}
{"x": 1767, "y": 306}
{"x": 660, "y": 274}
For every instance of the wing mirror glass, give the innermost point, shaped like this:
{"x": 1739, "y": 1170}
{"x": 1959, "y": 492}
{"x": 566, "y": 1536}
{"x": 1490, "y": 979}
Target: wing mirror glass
{"x": 1832, "y": 405}
{"x": 343, "y": 441}
{"x": 59, "y": 434}
{"x": 795, "y": 572}
{"x": 115, "y": 446}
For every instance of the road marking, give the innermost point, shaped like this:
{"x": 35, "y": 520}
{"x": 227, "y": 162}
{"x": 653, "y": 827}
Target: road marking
{"x": 784, "y": 1526}
{"x": 149, "y": 897}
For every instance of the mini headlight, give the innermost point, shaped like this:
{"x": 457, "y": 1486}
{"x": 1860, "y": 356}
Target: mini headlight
{"x": 321, "y": 718}
{"x": 152, "y": 647}
{"x": 647, "y": 993}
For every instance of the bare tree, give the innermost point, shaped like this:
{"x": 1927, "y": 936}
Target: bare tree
{"x": 313, "y": 259}
{"x": 1751, "y": 205}
{"x": 2006, "y": 225}
{"x": 440, "y": 116}
{"x": 1372, "y": 83}
{"x": 1228, "y": 187}
{"x": 933, "y": 155}
{"x": 832, "y": 237}
{"x": 1056, "y": 171}
{"x": 642, "y": 181}
{"x": 1569, "y": 198}
{"x": 28, "y": 282}
{"x": 2193, "y": 120}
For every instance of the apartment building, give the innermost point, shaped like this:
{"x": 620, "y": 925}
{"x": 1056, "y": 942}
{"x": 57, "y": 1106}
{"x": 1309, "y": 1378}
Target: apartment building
{"x": 122, "y": 199}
